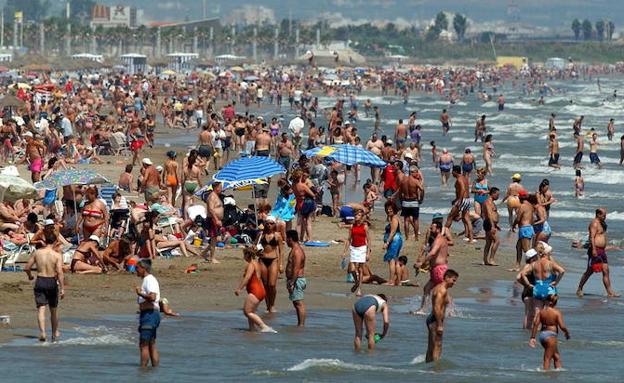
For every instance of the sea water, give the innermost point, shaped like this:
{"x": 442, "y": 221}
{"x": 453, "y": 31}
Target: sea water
{"x": 482, "y": 342}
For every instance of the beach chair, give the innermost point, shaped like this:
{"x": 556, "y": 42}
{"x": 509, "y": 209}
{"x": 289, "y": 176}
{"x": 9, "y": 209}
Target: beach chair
{"x": 106, "y": 193}
{"x": 119, "y": 144}
{"x": 11, "y": 254}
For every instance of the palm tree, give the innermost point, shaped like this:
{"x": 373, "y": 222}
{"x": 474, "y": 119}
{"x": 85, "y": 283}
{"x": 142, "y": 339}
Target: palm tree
{"x": 576, "y": 28}
{"x": 587, "y": 29}
{"x": 600, "y": 29}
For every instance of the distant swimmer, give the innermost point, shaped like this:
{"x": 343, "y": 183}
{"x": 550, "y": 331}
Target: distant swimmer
{"x": 511, "y": 197}
{"x": 445, "y": 119}
{"x": 597, "y": 261}
{"x": 593, "y": 151}
{"x": 440, "y": 299}
{"x": 364, "y": 313}
{"x": 501, "y": 103}
{"x": 553, "y": 151}
{"x": 550, "y": 321}
{"x": 611, "y": 129}
{"x": 480, "y": 129}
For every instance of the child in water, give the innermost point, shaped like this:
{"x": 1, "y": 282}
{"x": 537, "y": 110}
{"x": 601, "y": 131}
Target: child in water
{"x": 550, "y": 320}
{"x": 434, "y": 153}
{"x": 579, "y": 184}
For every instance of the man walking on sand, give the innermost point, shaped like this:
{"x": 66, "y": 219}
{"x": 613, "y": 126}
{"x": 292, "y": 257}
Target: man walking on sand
{"x": 50, "y": 279}
{"x": 148, "y": 296}
{"x": 295, "y": 275}
{"x": 440, "y": 299}
{"x": 213, "y": 221}
{"x": 597, "y": 254}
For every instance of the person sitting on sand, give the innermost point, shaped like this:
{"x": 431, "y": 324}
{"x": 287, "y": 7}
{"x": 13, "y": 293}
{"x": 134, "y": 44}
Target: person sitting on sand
{"x": 364, "y": 313}
{"x": 369, "y": 277}
{"x": 550, "y": 320}
{"x": 87, "y": 258}
{"x": 117, "y": 253}
{"x": 255, "y": 291}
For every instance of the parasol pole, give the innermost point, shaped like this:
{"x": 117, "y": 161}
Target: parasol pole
{"x": 253, "y": 194}
{"x": 76, "y": 213}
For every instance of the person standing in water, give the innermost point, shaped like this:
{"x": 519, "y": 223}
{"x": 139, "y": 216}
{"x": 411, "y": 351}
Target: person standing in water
{"x": 445, "y": 163}
{"x": 50, "y": 283}
{"x": 148, "y": 296}
{"x": 551, "y": 122}
{"x": 580, "y": 143}
{"x": 501, "y": 103}
{"x": 364, "y": 314}
{"x": 295, "y": 275}
{"x": 524, "y": 221}
{"x": 611, "y": 129}
{"x": 488, "y": 153}
{"x": 597, "y": 261}
{"x": 551, "y": 320}
{"x": 579, "y": 184}
{"x": 255, "y": 291}
{"x": 593, "y": 151}
{"x": 445, "y": 119}
{"x": 511, "y": 197}
{"x": 480, "y": 129}
{"x": 461, "y": 204}
{"x": 489, "y": 212}
{"x": 440, "y": 299}
{"x": 553, "y": 151}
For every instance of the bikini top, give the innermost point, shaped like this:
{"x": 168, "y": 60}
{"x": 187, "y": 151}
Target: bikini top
{"x": 92, "y": 213}
{"x": 273, "y": 242}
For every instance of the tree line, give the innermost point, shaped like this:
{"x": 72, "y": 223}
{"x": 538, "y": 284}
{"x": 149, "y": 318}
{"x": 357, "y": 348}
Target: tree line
{"x": 601, "y": 30}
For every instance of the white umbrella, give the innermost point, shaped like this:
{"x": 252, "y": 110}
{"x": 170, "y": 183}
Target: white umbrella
{"x": 13, "y": 188}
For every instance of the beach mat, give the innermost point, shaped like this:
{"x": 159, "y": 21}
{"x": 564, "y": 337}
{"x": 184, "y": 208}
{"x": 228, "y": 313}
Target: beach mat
{"x": 316, "y": 244}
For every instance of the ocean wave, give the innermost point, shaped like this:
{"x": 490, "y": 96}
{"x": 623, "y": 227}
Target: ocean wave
{"x": 336, "y": 365}
{"x": 95, "y": 341}
{"x": 520, "y": 106}
{"x": 418, "y": 359}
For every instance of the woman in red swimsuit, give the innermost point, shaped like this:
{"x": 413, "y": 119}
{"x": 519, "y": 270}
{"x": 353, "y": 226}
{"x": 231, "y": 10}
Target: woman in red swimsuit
{"x": 255, "y": 292}
{"x": 94, "y": 215}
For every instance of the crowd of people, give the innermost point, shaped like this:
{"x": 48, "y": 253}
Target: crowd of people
{"x": 180, "y": 213}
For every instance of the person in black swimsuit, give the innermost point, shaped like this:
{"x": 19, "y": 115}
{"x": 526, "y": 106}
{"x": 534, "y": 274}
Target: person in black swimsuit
{"x": 271, "y": 264}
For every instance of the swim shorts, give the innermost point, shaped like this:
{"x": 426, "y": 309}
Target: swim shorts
{"x": 596, "y": 262}
{"x": 578, "y": 157}
{"x": 410, "y": 208}
{"x": 554, "y": 159}
{"x": 298, "y": 287}
{"x": 463, "y": 205}
{"x": 263, "y": 153}
{"x": 526, "y": 232}
{"x": 46, "y": 292}
{"x": 593, "y": 158}
{"x": 149, "y": 320}
{"x": 437, "y": 274}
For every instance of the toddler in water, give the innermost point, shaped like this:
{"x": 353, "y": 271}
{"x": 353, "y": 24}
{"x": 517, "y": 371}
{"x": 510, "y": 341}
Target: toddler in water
{"x": 579, "y": 184}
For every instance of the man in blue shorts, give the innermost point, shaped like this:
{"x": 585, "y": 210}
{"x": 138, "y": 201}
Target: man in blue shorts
{"x": 148, "y": 296}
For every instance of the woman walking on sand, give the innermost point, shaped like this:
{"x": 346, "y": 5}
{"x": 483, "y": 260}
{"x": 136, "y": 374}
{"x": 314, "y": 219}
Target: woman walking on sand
{"x": 358, "y": 245}
{"x": 255, "y": 292}
{"x": 393, "y": 242}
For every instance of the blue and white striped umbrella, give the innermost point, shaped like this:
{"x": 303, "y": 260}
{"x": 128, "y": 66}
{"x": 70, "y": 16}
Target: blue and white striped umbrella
{"x": 348, "y": 155}
{"x": 248, "y": 169}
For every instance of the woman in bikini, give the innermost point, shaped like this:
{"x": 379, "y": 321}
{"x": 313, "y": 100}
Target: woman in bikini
{"x": 87, "y": 258}
{"x": 271, "y": 257}
{"x": 488, "y": 153}
{"x": 170, "y": 176}
{"x": 551, "y": 320}
{"x": 192, "y": 171}
{"x": 94, "y": 215}
{"x": 255, "y": 291}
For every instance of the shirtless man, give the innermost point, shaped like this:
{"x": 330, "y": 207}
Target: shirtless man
{"x": 611, "y": 129}
{"x": 400, "y": 134}
{"x": 151, "y": 179}
{"x": 440, "y": 299}
{"x": 461, "y": 204}
{"x": 205, "y": 147}
{"x": 445, "y": 163}
{"x": 580, "y": 143}
{"x": 524, "y": 221}
{"x": 490, "y": 225}
{"x": 35, "y": 151}
{"x": 295, "y": 275}
{"x": 375, "y": 145}
{"x": 593, "y": 151}
{"x": 285, "y": 150}
{"x": 551, "y": 122}
{"x": 50, "y": 279}
{"x": 437, "y": 258}
{"x": 411, "y": 193}
{"x": 596, "y": 252}
{"x": 578, "y": 125}
{"x": 445, "y": 119}
{"x": 171, "y": 178}
{"x": 213, "y": 220}
{"x": 263, "y": 143}
{"x": 553, "y": 151}
{"x": 480, "y": 129}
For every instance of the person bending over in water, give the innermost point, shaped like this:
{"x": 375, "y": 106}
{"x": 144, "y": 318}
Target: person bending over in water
{"x": 255, "y": 292}
{"x": 551, "y": 320}
{"x": 364, "y": 313}
{"x": 440, "y": 299}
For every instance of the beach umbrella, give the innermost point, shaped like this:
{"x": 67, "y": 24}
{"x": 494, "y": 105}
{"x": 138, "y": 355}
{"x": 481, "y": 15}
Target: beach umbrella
{"x": 13, "y": 188}
{"x": 71, "y": 177}
{"x": 251, "y": 78}
{"x": 248, "y": 169}
{"x": 168, "y": 72}
{"x": 10, "y": 101}
{"x": 237, "y": 69}
{"x": 347, "y": 154}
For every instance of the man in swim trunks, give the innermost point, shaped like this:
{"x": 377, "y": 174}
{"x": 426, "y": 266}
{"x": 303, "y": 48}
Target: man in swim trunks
{"x": 151, "y": 179}
{"x": 596, "y": 252}
{"x": 490, "y": 225}
{"x": 400, "y": 134}
{"x": 580, "y": 143}
{"x": 295, "y": 275}
{"x": 445, "y": 119}
{"x": 214, "y": 220}
{"x": 148, "y": 298}
{"x": 171, "y": 176}
{"x": 480, "y": 129}
{"x": 205, "y": 148}
{"x": 553, "y": 151}
{"x": 440, "y": 299}
{"x": 437, "y": 259}
{"x": 411, "y": 193}
{"x": 461, "y": 204}
{"x": 593, "y": 151}
{"x": 445, "y": 163}
{"x": 524, "y": 220}
{"x": 50, "y": 283}
{"x": 263, "y": 142}
{"x": 285, "y": 151}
